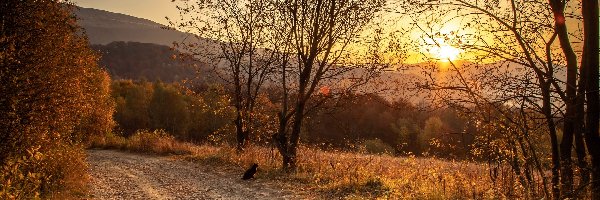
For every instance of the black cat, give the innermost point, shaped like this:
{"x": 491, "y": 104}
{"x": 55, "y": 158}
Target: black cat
{"x": 250, "y": 172}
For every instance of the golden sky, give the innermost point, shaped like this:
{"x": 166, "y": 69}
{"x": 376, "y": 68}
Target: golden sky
{"x": 155, "y": 10}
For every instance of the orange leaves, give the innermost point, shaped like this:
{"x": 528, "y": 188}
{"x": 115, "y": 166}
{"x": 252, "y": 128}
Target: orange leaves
{"x": 49, "y": 83}
{"x": 324, "y": 90}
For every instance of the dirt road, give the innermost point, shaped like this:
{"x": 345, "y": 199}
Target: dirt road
{"x": 120, "y": 175}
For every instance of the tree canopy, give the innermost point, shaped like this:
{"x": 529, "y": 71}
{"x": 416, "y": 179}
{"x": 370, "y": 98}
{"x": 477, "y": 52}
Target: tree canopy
{"x": 53, "y": 96}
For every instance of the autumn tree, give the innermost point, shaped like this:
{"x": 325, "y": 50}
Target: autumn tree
{"x": 132, "y": 100}
{"x": 98, "y": 118}
{"x": 168, "y": 110}
{"x": 210, "y": 113}
{"x": 238, "y": 53}
{"x": 320, "y": 33}
{"x": 53, "y": 95}
{"x": 519, "y": 49}
{"x": 187, "y": 114}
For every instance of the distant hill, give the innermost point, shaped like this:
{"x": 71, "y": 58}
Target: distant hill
{"x": 134, "y": 60}
{"x": 136, "y": 48}
{"x": 103, "y": 27}
{"x": 151, "y": 62}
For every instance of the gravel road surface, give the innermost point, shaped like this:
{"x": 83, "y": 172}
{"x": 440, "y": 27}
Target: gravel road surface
{"x": 121, "y": 175}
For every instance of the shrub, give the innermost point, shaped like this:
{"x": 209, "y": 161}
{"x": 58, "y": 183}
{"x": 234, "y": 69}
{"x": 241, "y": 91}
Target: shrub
{"x": 376, "y": 146}
{"x": 158, "y": 141}
{"x": 53, "y": 95}
{"x": 109, "y": 140}
{"x": 17, "y": 179}
{"x": 54, "y": 173}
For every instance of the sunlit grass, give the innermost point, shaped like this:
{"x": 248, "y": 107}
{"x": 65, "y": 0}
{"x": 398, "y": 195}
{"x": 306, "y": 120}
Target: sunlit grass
{"x": 157, "y": 142}
{"x": 354, "y": 175}
{"x": 337, "y": 174}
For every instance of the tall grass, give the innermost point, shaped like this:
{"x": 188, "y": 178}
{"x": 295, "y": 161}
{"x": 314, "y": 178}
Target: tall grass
{"x": 337, "y": 174}
{"x": 158, "y": 142}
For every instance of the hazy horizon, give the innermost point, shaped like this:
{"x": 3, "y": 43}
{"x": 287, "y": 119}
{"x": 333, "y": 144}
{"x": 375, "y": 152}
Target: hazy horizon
{"x": 146, "y": 9}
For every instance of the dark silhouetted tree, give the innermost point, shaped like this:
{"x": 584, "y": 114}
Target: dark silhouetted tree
{"x": 320, "y": 33}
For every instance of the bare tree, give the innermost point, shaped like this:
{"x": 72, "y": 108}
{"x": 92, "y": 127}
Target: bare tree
{"x": 589, "y": 72}
{"x": 570, "y": 121}
{"x": 233, "y": 35}
{"x": 320, "y": 32}
{"x": 517, "y": 71}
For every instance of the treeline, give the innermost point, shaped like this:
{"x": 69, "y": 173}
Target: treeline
{"x": 197, "y": 114}
{"x": 376, "y": 124}
{"x": 351, "y": 122}
{"x": 170, "y": 107}
{"x": 134, "y": 60}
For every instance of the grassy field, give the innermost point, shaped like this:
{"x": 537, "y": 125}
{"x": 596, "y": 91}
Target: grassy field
{"x": 335, "y": 174}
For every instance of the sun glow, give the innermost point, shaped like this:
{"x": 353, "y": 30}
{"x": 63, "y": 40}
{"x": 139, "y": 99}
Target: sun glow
{"x": 445, "y": 53}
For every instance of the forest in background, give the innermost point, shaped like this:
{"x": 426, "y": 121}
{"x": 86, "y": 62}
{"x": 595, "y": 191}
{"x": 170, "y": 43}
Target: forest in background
{"x": 150, "y": 92}
{"x": 366, "y": 123}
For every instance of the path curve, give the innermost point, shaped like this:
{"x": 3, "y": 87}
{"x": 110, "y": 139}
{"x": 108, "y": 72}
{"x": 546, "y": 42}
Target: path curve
{"x": 121, "y": 175}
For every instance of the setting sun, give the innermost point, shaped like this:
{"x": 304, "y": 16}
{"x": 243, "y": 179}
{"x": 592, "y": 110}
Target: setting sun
{"x": 445, "y": 53}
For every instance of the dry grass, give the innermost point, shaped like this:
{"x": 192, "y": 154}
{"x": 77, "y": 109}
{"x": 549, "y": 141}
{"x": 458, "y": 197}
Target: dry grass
{"x": 359, "y": 176}
{"x": 334, "y": 174}
{"x": 158, "y": 142}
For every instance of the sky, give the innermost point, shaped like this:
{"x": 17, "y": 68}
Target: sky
{"x": 157, "y": 10}
{"x": 154, "y": 10}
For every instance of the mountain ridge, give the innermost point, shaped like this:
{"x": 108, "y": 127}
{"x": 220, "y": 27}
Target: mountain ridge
{"x": 104, "y": 27}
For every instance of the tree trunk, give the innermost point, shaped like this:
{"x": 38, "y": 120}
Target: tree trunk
{"x": 516, "y": 166}
{"x": 569, "y": 123}
{"x": 287, "y": 153}
{"x": 566, "y": 163}
{"x": 527, "y": 172}
{"x": 582, "y": 165}
{"x": 566, "y": 145}
{"x": 280, "y": 138}
{"x": 281, "y": 141}
{"x": 590, "y": 62}
{"x": 239, "y": 126}
{"x": 553, "y": 138}
{"x": 295, "y": 136}
{"x": 240, "y": 133}
{"x": 299, "y": 112}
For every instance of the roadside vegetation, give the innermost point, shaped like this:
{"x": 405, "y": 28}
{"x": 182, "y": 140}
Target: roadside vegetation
{"x": 335, "y": 174}
{"x": 53, "y": 96}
